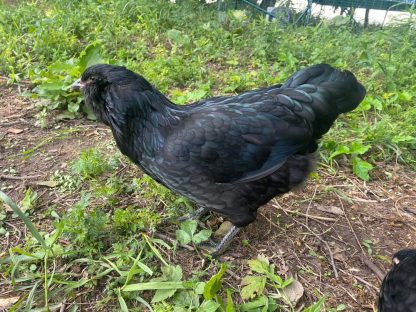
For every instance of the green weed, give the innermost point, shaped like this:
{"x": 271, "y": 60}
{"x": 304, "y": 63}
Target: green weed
{"x": 187, "y": 233}
{"x": 100, "y": 242}
{"x": 52, "y": 43}
{"x": 159, "y": 195}
{"x": 91, "y": 164}
{"x": 129, "y": 220}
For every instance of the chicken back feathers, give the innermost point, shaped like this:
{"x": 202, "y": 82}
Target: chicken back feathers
{"x": 230, "y": 154}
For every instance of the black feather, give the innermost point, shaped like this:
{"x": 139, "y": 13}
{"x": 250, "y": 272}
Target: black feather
{"x": 230, "y": 154}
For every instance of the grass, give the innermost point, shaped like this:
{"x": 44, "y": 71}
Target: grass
{"x": 52, "y": 44}
{"x": 101, "y": 244}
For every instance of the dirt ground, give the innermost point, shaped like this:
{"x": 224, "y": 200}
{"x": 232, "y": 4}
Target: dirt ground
{"x": 315, "y": 234}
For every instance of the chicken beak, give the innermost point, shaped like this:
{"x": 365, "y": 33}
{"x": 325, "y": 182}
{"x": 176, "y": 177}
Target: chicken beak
{"x": 78, "y": 85}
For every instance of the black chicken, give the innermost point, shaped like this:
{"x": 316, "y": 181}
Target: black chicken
{"x": 228, "y": 154}
{"x": 398, "y": 290}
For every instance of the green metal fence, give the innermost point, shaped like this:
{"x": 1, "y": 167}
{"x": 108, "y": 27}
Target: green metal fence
{"x": 345, "y": 5}
{"x": 368, "y": 4}
{"x": 386, "y": 5}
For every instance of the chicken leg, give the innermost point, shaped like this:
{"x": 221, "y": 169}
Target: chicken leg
{"x": 226, "y": 240}
{"x": 196, "y": 215}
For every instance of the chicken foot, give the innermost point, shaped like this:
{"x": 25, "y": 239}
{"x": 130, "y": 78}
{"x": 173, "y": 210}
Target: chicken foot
{"x": 226, "y": 240}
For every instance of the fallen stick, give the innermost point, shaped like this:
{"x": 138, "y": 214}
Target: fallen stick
{"x": 9, "y": 177}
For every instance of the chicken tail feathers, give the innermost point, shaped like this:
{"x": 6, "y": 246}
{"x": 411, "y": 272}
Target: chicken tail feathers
{"x": 330, "y": 91}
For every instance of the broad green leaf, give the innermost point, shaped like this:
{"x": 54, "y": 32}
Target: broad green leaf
{"x": 23, "y": 256}
{"x": 377, "y": 104}
{"x": 199, "y": 288}
{"x": 254, "y": 285}
{"x": 61, "y": 67}
{"x": 361, "y": 168}
{"x": 365, "y": 105}
{"x": 172, "y": 273}
{"x": 90, "y": 56}
{"x": 183, "y": 237}
{"x": 69, "y": 68}
{"x": 405, "y": 96}
{"x": 341, "y": 149}
{"x": 131, "y": 273}
{"x": 260, "y": 265}
{"x": 73, "y": 107}
{"x": 177, "y": 37}
{"x": 209, "y": 306}
{"x": 277, "y": 279}
{"x": 189, "y": 226}
{"x": 186, "y": 298}
{"x": 201, "y": 236}
{"x": 29, "y": 201}
{"x": 272, "y": 305}
{"x": 369, "y": 102}
{"x": 162, "y": 294}
{"x": 358, "y": 148}
{"x": 254, "y": 305}
{"x": 214, "y": 284}
{"x": 57, "y": 85}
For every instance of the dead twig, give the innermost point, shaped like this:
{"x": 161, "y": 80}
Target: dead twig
{"x": 9, "y": 177}
{"x": 63, "y": 304}
{"x": 363, "y": 256}
{"x": 60, "y": 199}
{"x": 19, "y": 236}
{"x": 396, "y": 202}
{"x": 309, "y": 205}
{"x": 233, "y": 274}
{"x": 350, "y": 225}
{"x": 270, "y": 221}
{"x": 349, "y": 294}
{"x": 306, "y": 215}
{"x": 9, "y": 123}
{"x": 361, "y": 280}
{"x": 372, "y": 267}
{"x": 331, "y": 255}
